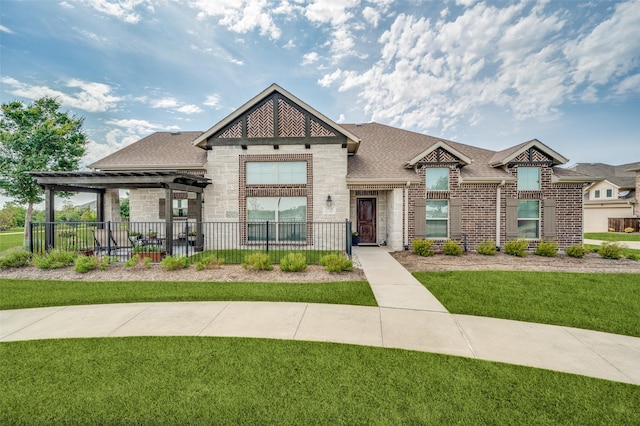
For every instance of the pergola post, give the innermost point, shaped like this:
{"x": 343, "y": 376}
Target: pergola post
{"x": 168, "y": 214}
{"x": 49, "y": 217}
{"x": 100, "y": 209}
{"x": 199, "y": 234}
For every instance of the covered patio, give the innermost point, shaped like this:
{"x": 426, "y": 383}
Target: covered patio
{"x": 106, "y": 186}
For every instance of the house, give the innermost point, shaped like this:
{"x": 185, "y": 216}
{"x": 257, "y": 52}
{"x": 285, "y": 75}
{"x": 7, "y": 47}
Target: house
{"x": 276, "y": 158}
{"x": 613, "y": 194}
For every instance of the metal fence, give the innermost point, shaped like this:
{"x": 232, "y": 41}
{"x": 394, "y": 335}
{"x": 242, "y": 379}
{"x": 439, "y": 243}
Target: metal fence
{"x": 231, "y": 241}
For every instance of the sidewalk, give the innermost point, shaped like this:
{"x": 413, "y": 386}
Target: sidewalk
{"x": 628, "y": 244}
{"x": 411, "y": 319}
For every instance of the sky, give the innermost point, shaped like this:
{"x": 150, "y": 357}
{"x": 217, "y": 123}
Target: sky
{"x": 483, "y": 73}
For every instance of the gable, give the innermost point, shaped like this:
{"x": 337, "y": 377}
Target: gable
{"x": 276, "y": 117}
{"x": 439, "y": 152}
{"x": 533, "y": 151}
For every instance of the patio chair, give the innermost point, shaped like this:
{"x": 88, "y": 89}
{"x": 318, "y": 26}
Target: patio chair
{"x": 121, "y": 239}
{"x": 101, "y": 239}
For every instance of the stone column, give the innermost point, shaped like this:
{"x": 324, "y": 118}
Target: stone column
{"x": 112, "y": 205}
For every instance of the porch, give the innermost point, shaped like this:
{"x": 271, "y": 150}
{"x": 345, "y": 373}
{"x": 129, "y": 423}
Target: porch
{"x": 232, "y": 241}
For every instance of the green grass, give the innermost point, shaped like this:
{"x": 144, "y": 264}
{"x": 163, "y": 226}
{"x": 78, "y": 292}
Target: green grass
{"x": 9, "y": 241}
{"x": 238, "y": 255}
{"x": 209, "y": 380}
{"x": 603, "y": 302}
{"x": 19, "y": 294}
{"x": 612, "y": 236}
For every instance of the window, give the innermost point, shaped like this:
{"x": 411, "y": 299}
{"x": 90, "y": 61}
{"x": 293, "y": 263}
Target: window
{"x": 609, "y": 193}
{"x": 528, "y": 178}
{"x": 282, "y": 173}
{"x": 437, "y": 213}
{"x": 596, "y": 193}
{"x": 180, "y": 208}
{"x": 437, "y": 179}
{"x": 529, "y": 219}
{"x": 287, "y": 217}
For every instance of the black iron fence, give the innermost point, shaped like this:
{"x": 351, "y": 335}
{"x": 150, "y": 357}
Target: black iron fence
{"x": 231, "y": 241}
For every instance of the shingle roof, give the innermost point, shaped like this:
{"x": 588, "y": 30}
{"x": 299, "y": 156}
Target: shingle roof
{"x": 620, "y": 175}
{"x": 161, "y": 150}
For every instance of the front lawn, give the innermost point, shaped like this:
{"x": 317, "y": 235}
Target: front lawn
{"x": 8, "y": 241}
{"x": 612, "y": 236}
{"x": 603, "y": 302}
{"x": 209, "y": 380}
{"x": 18, "y": 294}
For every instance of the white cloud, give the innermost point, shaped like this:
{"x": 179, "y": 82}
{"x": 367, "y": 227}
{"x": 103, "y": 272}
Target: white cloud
{"x": 611, "y": 49}
{"x": 629, "y": 85}
{"x": 5, "y": 29}
{"x": 125, "y": 10}
{"x": 189, "y": 109}
{"x": 371, "y": 15}
{"x": 91, "y": 96}
{"x": 241, "y": 16}
{"x": 140, "y": 127}
{"x": 310, "y": 58}
{"x": 213, "y": 101}
{"x": 164, "y": 103}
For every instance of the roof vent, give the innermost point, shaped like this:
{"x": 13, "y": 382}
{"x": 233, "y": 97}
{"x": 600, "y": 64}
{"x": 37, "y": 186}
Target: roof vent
{"x": 175, "y": 133}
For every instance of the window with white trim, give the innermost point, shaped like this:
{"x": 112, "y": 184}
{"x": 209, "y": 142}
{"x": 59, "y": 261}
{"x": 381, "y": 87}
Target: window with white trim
{"x": 596, "y": 193}
{"x": 287, "y": 217}
{"x": 276, "y": 173}
{"x": 437, "y": 214}
{"x": 528, "y": 178}
{"x": 180, "y": 208}
{"x": 529, "y": 219}
{"x": 609, "y": 193}
{"x": 437, "y": 178}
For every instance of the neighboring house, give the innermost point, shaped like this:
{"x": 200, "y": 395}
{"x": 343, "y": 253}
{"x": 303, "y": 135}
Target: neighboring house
{"x": 613, "y": 194}
{"x": 276, "y": 158}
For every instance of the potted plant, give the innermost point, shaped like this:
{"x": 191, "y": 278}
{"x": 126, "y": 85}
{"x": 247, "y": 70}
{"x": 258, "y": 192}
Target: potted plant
{"x": 355, "y": 238}
{"x": 191, "y": 237}
{"x": 155, "y": 253}
{"x": 152, "y": 234}
{"x": 135, "y": 235}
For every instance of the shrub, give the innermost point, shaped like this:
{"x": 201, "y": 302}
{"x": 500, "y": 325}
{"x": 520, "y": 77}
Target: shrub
{"x": 611, "y": 250}
{"x": 146, "y": 262}
{"x": 209, "y": 262}
{"x": 15, "y": 259}
{"x": 106, "y": 261}
{"x": 293, "y": 262}
{"x": 516, "y": 247}
{"x": 487, "y": 247}
{"x": 451, "y": 248}
{"x": 612, "y": 230}
{"x": 423, "y": 247}
{"x": 576, "y": 250}
{"x": 628, "y": 230}
{"x": 171, "y": 263}
{"x": 132, "y": 261}
{"x": 54, "y": 259}
{"x": 547, "y": 248}
{"x": 84, "y": 264}
{"x": 336, "y": 263}
{"x": 258, "y": 262}
{"x": 633, "y": 256}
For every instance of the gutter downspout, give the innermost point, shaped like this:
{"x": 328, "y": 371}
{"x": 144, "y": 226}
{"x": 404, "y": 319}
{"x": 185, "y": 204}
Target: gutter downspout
{"x": 406, "y": 217}
{"x": 498, "y": 209}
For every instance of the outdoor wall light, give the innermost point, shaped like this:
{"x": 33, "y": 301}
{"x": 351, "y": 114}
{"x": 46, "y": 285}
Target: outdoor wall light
{"x": 329, "y": 201}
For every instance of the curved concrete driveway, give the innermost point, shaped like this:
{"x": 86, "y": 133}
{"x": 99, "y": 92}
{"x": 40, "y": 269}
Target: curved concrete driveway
{"x": 408, "y": 317}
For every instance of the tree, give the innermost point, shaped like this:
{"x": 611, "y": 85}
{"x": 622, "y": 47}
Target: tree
{"x": 36, "y": 137}
{"x": 124, "y": 208}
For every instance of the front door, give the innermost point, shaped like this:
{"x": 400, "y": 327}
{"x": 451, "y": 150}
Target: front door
{"x": 367, "y": 220}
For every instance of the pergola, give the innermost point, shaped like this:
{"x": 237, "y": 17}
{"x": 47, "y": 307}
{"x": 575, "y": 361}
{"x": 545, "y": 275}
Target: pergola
{"x": 100, "y": 182}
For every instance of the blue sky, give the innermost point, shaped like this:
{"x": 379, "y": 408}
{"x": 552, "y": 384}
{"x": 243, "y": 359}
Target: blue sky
{"x": 491, "y": 74}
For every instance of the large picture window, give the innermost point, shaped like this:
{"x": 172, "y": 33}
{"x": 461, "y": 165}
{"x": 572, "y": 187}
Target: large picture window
{"x": 437, "y": 179}
{"x": 180, "y": 208}
{"x": 276, "y": 173}
{"x": 528, "y": 178}
{"x": 437, "y": 213}
{"x": 287, "y": 218}
{"x": 529, "y": 219}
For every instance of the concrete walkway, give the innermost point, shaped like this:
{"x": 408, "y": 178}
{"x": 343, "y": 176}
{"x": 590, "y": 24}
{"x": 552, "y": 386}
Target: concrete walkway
{"x": 410, "y": 319}
{"x": 628, "y": 244}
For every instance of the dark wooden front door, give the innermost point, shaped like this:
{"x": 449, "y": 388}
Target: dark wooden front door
{"x": 367, "y": 220}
